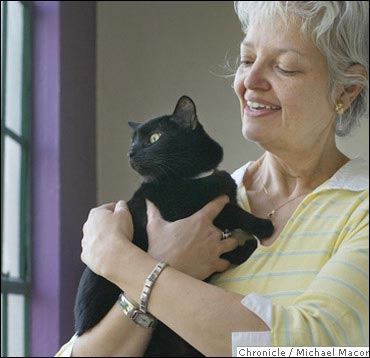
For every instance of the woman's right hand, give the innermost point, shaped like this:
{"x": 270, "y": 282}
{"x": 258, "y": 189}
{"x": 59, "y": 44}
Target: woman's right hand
{"x": 192, "y": 245}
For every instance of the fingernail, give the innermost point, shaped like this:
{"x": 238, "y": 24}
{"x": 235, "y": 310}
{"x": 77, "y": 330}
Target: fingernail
{"x": 148, "y": 203}
{"x": 150, "y": 208}
{"x": 120, "y": 205}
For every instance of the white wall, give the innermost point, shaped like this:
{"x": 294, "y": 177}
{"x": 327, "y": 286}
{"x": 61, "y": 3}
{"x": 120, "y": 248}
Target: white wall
{"x": 151, "y": 53}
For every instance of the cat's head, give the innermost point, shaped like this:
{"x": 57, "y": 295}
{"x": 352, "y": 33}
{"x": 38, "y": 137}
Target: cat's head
{"x": 173, "y": 146}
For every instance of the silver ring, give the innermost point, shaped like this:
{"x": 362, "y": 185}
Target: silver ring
{"x": 225, "y": 234}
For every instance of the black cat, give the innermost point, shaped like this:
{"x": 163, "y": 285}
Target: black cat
{"x": 177, "y": 160}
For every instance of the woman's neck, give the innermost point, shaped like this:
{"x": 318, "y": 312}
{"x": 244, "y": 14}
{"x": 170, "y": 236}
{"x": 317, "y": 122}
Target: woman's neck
{"x": 298, "y": 174}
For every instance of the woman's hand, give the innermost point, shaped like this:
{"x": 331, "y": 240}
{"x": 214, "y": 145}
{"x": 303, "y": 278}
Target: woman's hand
{"x": 192, "y": 245}
{"x": 105, "y": 236}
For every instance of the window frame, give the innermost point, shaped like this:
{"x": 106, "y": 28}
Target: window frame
{"x": 22, "y": 285}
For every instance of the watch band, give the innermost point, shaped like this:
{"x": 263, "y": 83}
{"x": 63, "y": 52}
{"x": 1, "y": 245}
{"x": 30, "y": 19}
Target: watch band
{"x": 145, "y": 320}
{"x": 149, "y": 282}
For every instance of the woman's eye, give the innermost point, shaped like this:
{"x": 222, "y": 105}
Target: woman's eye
{"x": 154, "y": 137}
{"x": 285, "y": 71}
{"x": 245, "y": 62}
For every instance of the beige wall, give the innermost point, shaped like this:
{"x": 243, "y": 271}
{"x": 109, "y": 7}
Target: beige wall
{"x": 151, "y": 53}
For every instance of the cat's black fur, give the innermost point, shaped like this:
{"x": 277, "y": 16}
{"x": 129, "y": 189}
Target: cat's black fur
{"x": 183, "y": 151}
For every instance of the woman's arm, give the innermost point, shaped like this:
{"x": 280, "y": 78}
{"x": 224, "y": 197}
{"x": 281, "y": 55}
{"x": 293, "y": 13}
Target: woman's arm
{"x": 202, "y": 314}
{"x": 114, "y": 336}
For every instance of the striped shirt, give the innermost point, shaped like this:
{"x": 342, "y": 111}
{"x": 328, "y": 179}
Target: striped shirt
{"x": 311, "y": 286}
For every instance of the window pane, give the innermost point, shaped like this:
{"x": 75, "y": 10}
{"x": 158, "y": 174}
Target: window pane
{"x": 14, "y": 58}
{"x": 2, "y": 328}
{"x": 16, "y": 320}
{"x": 11, "y": 224}
{"x": 1, "y": 46}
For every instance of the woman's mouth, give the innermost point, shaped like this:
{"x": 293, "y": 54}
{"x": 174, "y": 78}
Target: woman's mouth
{"x": 256, "y": 109}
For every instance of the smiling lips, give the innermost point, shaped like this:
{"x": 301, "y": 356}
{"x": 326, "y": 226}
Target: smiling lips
{"x": 256, "y": 109}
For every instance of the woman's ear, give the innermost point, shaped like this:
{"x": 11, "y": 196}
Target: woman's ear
{"x": 350, "y": 93}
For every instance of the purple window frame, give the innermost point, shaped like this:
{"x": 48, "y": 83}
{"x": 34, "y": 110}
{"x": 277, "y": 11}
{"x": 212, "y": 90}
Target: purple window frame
{"x": 63, "y": 161}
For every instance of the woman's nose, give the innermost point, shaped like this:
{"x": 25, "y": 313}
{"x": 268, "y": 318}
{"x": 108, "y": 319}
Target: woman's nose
{"x": 256, "y": 78}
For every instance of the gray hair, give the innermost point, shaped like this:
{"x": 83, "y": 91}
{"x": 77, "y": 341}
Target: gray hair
{"x": 340, "y": 30}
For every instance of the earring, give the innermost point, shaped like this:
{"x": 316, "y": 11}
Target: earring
{"x": 339, "y": 108}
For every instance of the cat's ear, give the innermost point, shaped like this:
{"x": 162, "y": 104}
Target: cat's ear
{"x": 185, "y": 113}
{"x": 134, "y": 125}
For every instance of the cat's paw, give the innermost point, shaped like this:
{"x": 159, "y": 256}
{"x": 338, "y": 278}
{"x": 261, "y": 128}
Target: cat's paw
{"x": 266, "y": 229}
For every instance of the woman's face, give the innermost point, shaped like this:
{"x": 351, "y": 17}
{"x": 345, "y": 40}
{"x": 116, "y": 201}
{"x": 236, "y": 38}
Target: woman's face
{"x": 282, "y": 86}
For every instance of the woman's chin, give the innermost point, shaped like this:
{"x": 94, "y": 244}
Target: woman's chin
{"x": 253, "y": 133}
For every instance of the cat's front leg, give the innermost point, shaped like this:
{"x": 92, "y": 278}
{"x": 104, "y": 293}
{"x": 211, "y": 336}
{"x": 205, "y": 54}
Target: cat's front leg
{"x": 234, "y": 217}
{"x": 241, "y": 253}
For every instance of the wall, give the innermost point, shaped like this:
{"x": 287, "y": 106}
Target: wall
{"x": 148, "y": 55}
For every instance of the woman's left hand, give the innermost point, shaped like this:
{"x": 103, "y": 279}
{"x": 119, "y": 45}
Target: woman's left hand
{"x": 105, "y": 236}
{"x": 191, "y": 245}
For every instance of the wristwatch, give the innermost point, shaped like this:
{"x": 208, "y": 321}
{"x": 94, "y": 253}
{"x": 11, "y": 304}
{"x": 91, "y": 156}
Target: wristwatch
{"x": 145, "y": 320}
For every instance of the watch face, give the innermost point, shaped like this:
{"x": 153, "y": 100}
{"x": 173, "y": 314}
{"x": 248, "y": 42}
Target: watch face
{"x": 143, "y": 320}
{"x": 139, "y": 317}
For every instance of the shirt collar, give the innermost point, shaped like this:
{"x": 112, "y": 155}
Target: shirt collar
{"x": 354, "y": 176}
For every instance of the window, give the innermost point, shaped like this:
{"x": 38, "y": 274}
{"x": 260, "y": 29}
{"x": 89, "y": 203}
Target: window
{"x": 15, "y": 178}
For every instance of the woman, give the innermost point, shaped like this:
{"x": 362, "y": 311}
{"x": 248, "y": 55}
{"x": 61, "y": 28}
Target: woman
{"x": 303, "y": 77}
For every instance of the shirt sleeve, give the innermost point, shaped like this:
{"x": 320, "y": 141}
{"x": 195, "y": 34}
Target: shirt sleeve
{"x": 66, "y": 349}
{"x": 262, "y": 307}
{"x": 334, "y": 310}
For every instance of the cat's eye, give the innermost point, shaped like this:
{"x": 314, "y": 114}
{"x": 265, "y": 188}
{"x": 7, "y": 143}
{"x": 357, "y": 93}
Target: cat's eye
{"x": 154, "y": 137}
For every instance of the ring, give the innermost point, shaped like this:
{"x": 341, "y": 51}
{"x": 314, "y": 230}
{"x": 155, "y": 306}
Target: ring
{"x": 225, "y": 234}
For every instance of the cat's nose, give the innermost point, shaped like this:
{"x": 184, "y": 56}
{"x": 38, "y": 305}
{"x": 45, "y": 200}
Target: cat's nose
{"x": 131, "y": 153}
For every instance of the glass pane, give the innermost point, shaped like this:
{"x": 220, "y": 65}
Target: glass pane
{"x": 16, "y": 326}
{"x": 14, "y": 52}
{"x": 2, "y": 327}
{"x": 1, "y": 46}
{"x": 11, "y": 202}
